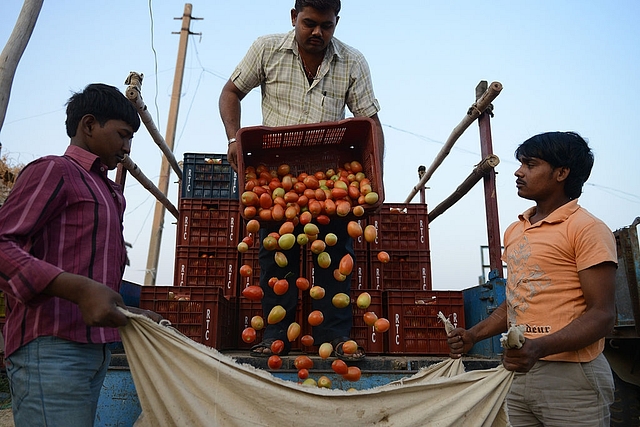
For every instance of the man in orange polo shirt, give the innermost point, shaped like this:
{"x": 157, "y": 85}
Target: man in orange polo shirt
{"x": 561, "y": 264}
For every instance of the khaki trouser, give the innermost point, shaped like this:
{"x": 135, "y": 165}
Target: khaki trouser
{"x": 562, "y": 394}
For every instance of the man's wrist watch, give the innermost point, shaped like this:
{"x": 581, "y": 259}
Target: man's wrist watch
{"x": 232, "y": 140}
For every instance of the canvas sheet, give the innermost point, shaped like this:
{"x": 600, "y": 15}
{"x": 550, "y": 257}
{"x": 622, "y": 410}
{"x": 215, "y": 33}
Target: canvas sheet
{"x": 183, "y": 383}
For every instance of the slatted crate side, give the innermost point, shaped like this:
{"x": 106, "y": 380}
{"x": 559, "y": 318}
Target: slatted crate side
{"x": 208, "y": 223}
{"x": 202, "y": 314}
{"x": 415, "y": 327}
{"x": 401, "y": 226}
{"x": 405, "y": 270}
{"x": 366, "y": 336}
{"x": 208, "y": 176}
{"x": 248, "y": 309}
{"x": 212, "y": 267}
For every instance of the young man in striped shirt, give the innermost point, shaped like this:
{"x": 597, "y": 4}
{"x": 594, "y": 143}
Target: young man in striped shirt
{"x": 62, "y": 257}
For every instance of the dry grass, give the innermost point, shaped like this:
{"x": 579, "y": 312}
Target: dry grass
{"x": 8, "y": 174}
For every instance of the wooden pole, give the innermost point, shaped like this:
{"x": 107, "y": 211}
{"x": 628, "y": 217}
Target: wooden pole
{"x": 15, "y": 47}
{"x": 472, "y": 114}
{"x": 490, "y": 196}
{"x": 163, "y": 181}
{"x": 481, "y": 169}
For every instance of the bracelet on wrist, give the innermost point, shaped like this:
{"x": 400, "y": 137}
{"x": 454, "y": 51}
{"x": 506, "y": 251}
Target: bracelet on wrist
{"x": 231, "y": 141}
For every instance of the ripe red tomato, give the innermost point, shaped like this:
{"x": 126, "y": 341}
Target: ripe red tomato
{"x": 246, "y": 270}
{"x": 383, "y": 257}
{"x": 277, "y": 346}
{"x": 272, "y": 281}
{"x": 302, "y": 283}
{"x": 307, "y": 340}
{"x": 249, "y": 335}
{"x": 274, "y": 362}
{"x": 353, "y": 374}
{"x": 339, "y": 367}
{"x": 315, "y": 318}
{"x": 253, "y": 293}
{"x": 303, "y": 361}
{"x": 381, "y": 325}
{"x": 303, "y": 374}
{"x": 281, "y": 287}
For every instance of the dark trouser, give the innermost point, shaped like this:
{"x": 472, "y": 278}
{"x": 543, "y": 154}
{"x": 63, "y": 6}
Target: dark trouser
{"x": 337, "y": 321}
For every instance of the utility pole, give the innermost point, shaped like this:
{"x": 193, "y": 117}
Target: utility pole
{"x": 163, "y": 182}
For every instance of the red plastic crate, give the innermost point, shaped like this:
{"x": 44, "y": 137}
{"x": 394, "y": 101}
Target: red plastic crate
{"x": 202, "y": 314}
{"x": 314, "y": 147}
{"x": 208, "y": 176}
{"x": 211, "y": 267}
{"x": 401, "y": 226}
{"x": 366, "y": 336}
{"x": 415, "y": 327}
{"x": 404, "y": 271}
{"x": 208, "y": 223}
{"x": 246, "y": 309}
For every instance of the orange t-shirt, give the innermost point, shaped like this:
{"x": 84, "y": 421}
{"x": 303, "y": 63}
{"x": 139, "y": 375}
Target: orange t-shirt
{"x": 543, "y": 290}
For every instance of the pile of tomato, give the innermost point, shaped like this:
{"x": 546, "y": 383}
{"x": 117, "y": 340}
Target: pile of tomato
{"x": 278, "y": 195}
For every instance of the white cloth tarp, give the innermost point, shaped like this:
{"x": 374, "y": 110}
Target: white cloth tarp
{"x": 183, "y": 383}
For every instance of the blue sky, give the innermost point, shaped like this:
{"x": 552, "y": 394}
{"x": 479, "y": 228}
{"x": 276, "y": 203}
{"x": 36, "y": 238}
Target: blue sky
{"x": 564, "y": 65}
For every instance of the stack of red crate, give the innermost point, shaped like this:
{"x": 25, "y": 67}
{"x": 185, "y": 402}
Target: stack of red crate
{"x": 206, "y": 262}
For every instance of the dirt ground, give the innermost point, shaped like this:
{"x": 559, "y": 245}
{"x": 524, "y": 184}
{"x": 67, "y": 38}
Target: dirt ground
{"x": 6, "y": 418}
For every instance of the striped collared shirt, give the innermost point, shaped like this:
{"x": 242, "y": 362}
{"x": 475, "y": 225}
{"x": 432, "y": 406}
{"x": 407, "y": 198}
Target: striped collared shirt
{"x": 63, "y": 215}
{"x": 274, "y": 64}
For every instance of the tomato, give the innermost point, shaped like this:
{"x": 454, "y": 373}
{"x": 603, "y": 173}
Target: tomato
{"x": 353, "y": 374}
{"x": 253, "y": 226}
{"x": 307, "y": 340}
{"x": 257, "y": 322}
{"x": 355, "y": 166}
{"x": 302, "y": 283}
{"x": 324, "y": 260}
{"x": 286, "y": 228}
{"x": 324, "y": 382}
{"x": 323, "y": 219}
{"x": 246, "y": 270}
{"x": 325, "y": 350}
{"x": 249, "y": 198}
{"x": 346, "y": 265}
{"x": 253, "y": 293}
{"x": 339, "y": 193}
{"x": 249, "y": 335}
{"x": 331, "y": 239}
{"x": 265, "y": 201}
{"x": 381, "y": 325}
{"x": 371, "y": 198}
{"x": 358, "y": 211}
{"x": 343, "y": 208}
{"x": 277, "y": 346}
{"x": 281, "y": 287}
{"x": 243, "y": 247}
{"x": 284, "y": 169}
{"x": 274, "y": 362}
{"x": 354, "y": 229}
{"x": 276, "y": 315}
{"x": 272, "y": 281}
{"x": 383, "y": 257}
{"x": 370, "y": 233}
{"x": 318, "y": 246}
{"x": 305, "y": 218}
{"x": 281, "y": 259}
{"x": 303, "y": 374}
{"x": 293, "y": 331}
{"x": 315, "y": 318}
{"x": 329, "y": 207}
{"x": 364, "y": 300}
{"x": 339, "y": 276}
{"x": 303, "y": 362}
{"x": 265, "y": 215}
{"x": 310, "y": 229}
{"x": 250, "y": 212}
{"x": 369, "y": 318}
{"x": 286, "y": 241}
{"x": 339, "y": 367}
{"x": 317, "y": 292}
{"x": 349, "y": 347}
{"x": 248, "y": 240}
{"x": 341, "y": 300}
{"x": 277, "y": 212}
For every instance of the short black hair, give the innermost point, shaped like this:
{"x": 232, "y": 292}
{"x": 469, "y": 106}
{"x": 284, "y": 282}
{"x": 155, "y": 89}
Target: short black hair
{"x": 321, "y": 5}
{"x": 102, "y": 101}
{"x": 561, "y": 149}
